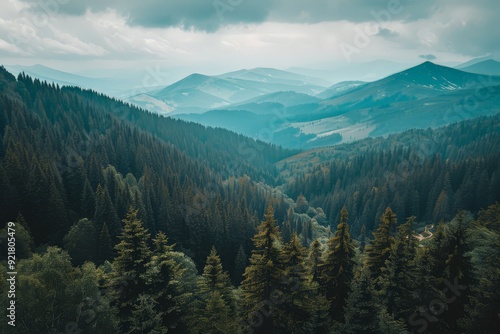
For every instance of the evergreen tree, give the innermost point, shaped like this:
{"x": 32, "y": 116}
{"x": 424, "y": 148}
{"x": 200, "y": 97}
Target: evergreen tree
{"x": 263, "y": 277}
{"x": 127, "y": 281}
{"x": 398, "y": 280}
{"x": 484, "y": 313}
{"x": 361, "y": 314}
{"x": 164, "y": 283}
{"x": 379, "y": 250}
{"x": 105, "y": 212}
{"x": 216, "y": 307}
{"x": 314, "y": 260}
{"x": 87, "y": 206}
{"x": 145, "y": 317}
{"x": 337, "y": 268}
{"x": 459, "y": 271}
{"x": 303, "y": 309}
{"x": 105, "y": 246}
{"x": 362, "y": 238}
{"x": 240, "y": 263}
{"x": 214, "y": 278}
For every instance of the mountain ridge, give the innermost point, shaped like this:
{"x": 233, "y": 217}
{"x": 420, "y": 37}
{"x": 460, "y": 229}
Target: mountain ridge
{"x": 426, "y": 95}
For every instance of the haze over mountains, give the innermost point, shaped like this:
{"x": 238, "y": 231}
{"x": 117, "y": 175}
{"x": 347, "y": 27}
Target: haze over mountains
{"x": 427, "y": 95}
{"x": 300, "y": 110}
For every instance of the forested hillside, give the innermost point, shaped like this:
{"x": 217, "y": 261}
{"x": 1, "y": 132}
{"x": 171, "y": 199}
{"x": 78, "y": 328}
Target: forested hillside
{"x": 129, "y": 222}
{"x": 68, "y": 154}
{"x": 430, "y": 174}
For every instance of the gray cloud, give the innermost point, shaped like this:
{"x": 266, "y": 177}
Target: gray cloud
{"x": 428, "y": 57}
{"x": 387, "y": 33}
{"x": 436, "y": 27}
{"x": 210, "y": 15}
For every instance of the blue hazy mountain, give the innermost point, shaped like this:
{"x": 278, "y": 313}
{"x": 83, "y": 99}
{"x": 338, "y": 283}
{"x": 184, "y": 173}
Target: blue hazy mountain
{"x": 197, "y": 93}
{"x": 427, "y": 95}
{"x": 487, "y": 67}
{"x": 114, "y": 86}
{"x": 339, "y": 89}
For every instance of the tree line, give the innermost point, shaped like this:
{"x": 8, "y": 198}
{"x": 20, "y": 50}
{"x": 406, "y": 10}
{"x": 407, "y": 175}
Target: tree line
{"x": 391, "y": 284}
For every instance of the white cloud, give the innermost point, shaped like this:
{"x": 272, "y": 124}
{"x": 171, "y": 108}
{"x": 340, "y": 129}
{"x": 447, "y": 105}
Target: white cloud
{"x": 297, "y": 36}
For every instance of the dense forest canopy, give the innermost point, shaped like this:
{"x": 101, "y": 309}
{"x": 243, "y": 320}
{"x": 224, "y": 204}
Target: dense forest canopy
{"x": 130, "y": 222}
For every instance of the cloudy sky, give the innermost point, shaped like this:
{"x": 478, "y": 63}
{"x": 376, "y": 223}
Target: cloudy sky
{"x": 212, "y": 36}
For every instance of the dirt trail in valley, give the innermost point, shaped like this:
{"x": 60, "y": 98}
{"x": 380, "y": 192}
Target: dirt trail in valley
{"x": 426, "y": 234}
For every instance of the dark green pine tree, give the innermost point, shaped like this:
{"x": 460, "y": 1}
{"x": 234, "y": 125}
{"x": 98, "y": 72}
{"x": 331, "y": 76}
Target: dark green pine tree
{"x": 303, "y": 309}
{"x": 105, "y": 247}
{"x": 337, "y": 268}
{"x": 240, "y": 263}
{"x": 87, "y": 201}
{"x": 56, "y": 214}
{"x": 145, "y": 317}
{"x": 399, "y": 289}
{"x": 127, "y": 281}
{"x": 314, "y": 260}
{"x": 362, "y": 238}
{"x": 459, "y": 271}
{"x": 379, "y": 250}
{"x": 484, "y": 316}
{"x": 105, "y": 212}
{"x": 438, "y": 253}
{"x": 214, "y": 278}
{"x": 216, "y": 306}
{"x": 164, "y": 284}
{"x": 361, "y": 313}
{"x": 263, "y": 278}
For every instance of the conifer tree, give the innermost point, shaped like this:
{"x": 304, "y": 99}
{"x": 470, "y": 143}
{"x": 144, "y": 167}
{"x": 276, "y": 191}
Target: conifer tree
{"x": 145, "y": 318}
{"x": 163, "y": 279}
{"x": 314, "y": 260}
{"x": 483, "y": 315}
{"x": 398, "y": 280}
{"x": 105, "y": 212}
{"x": 240, "y": 263}
{"x": 263, "y": 277}
{"x": 127, "y": 281}
{"x": 105, "y": 246}
{"x": 337, "y": 268}
{"x": 216, "y": 307}
{"x": 214, "y": 278}
{"x": 87, "y": 201}
{"x": 459, "y": 271}
{"x": 361, "y": 314}
{"x": 303, "y": 310}
{"x": 379, "y": 250}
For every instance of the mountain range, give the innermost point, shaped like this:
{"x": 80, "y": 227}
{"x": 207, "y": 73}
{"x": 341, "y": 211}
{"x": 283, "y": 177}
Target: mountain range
{"x": 296, "y": 109}
{"x": 427, "y": 95}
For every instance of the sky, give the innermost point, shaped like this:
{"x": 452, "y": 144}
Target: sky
{"x": 214, "y": 36}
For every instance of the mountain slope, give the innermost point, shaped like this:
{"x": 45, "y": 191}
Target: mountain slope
{"x": 426, "y": 95}
{"x": 69, "y": 154}
{"x": 271, "y": 75}
{"x": 111, "y": 86}
{"x": 197, "y": 93}
{"x": 422, "y": 81}
{"x": 339, "y": 89}
{"x": 487, "y": 67}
